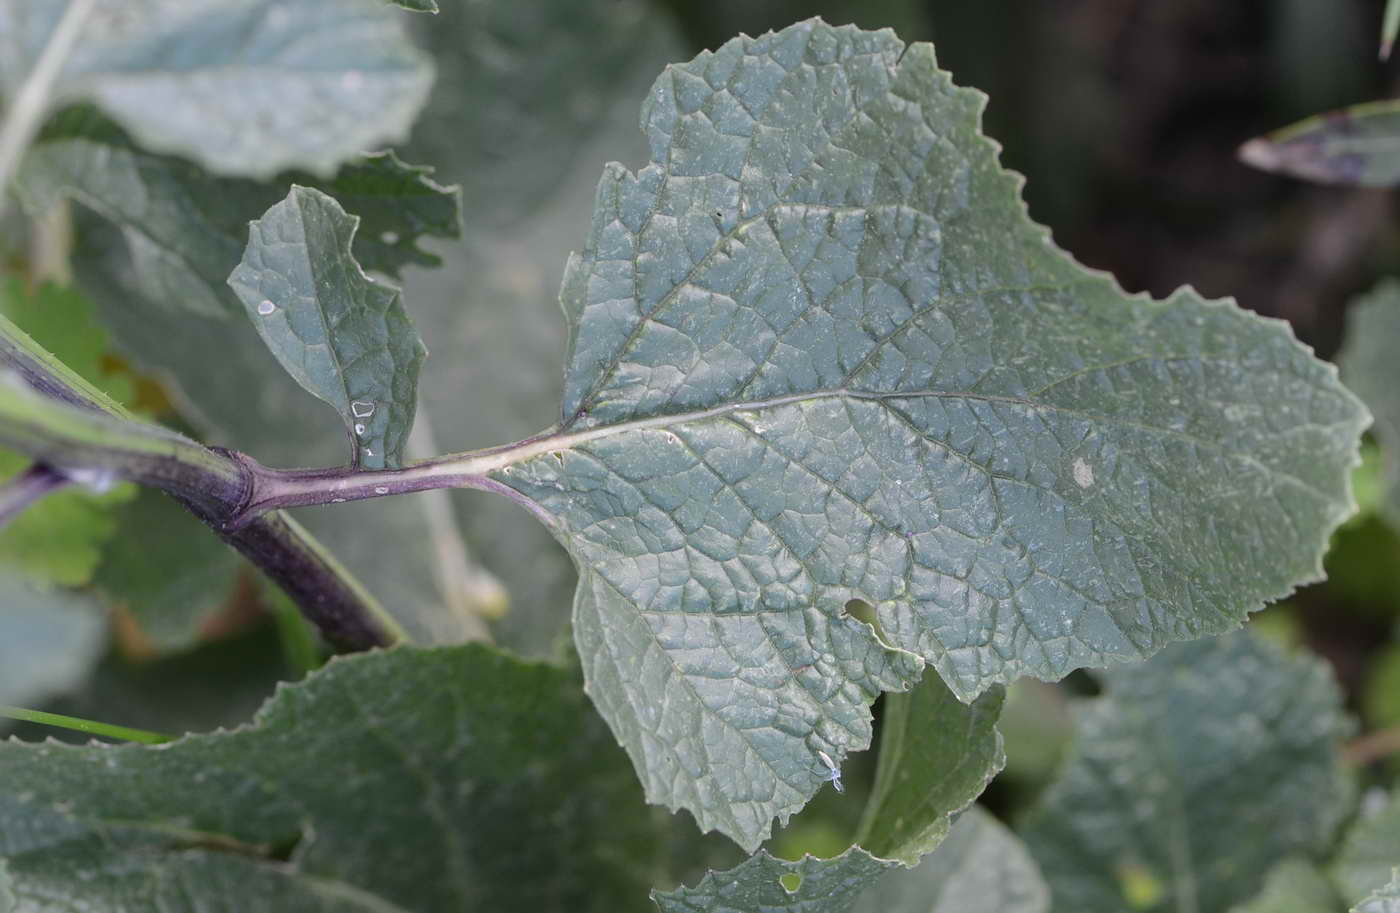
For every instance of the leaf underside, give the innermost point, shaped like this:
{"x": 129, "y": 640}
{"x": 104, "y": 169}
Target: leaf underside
{"x": 820, "y": 352}
{"x": 1191, "y": 778}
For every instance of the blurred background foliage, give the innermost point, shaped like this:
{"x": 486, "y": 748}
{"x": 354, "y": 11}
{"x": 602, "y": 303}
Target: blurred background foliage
{"x": 1124, "y": 115}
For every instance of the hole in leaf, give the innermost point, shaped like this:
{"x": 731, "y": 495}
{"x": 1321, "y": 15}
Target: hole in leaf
{"x": 790, "y": 882}
{"x": 861, "y": 610}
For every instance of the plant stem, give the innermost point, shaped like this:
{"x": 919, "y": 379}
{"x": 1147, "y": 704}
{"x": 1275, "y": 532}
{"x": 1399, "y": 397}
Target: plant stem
{"x": 50, "y": 414}
{"x": 26, "y": 488}
{"x": 125, "y": 733}
{"x": 30, "y": 103}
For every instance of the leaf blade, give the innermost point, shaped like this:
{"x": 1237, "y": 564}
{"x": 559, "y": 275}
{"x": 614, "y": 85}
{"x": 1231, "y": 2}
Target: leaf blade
{"x": 818, "y": 351}
{"x": 1231, "y": 718}
{"x": 344, "y": 338}
{"x": 449, "y": 774}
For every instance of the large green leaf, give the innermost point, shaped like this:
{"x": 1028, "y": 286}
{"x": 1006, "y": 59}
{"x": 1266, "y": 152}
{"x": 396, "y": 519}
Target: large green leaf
{"x": 1356, "y": 145}
{"x": 819, "y": 352}
{"x": 1368, "y": 362}
{"x": 1385, "y": 899}
{"x": 344, "y": 337}
{"x": 937, "y": 755}
{"x": 243, "y": 87}
{"x": 981, "y": 868}
{"x": 186, "y": 229}
{"x": 48, "y": 641}
{"x": 445, "y": 779}
{"x": 1194, "y": 775}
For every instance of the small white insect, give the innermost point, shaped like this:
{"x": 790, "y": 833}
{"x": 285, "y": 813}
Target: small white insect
{"x": 833, "y": 773}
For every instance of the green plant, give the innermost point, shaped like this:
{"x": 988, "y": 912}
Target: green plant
{"x": 838, "y": 420}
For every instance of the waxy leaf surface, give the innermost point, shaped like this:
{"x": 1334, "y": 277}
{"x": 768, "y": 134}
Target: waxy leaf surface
{"x": 818, "y": 351}
{"x": 344, "y": 337}
{"x": 243, "y": 87}
{"x": 1191, "y": 778}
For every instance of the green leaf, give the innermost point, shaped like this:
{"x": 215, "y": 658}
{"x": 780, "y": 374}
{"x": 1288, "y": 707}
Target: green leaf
{"x": 186, "y": 229}
{"x": 1294, "y": 886}
{"x": 1367, "y": 359}
{"x": 1370, "y": 848}
{"x": 981, "y": 868}
{"x": 1353, "y": 146}
{"x": 168, "y": 571}
{"x": 937, "y": 755}
{"x": 819, "y": 352}
{"x": 405, "y": 774}
{"x": 243, "y": 87}
{"x": 1191, "y": 778}
{"x": 761, "y": 882}
{"x": 417, "y": 6}
{"x": 1383, "y": 900}
{"x": 345, "y": 338}
{"x": 48, "y": 641}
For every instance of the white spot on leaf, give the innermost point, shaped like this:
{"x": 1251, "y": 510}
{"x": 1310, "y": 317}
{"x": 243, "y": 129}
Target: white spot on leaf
{"x": 1083, "y": 473}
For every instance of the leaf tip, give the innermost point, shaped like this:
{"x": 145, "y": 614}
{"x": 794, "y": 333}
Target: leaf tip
{"x": 1260, "y": 153}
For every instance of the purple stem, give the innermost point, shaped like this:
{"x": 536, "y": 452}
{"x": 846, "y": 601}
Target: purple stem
{"x": 26, "y": 488}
